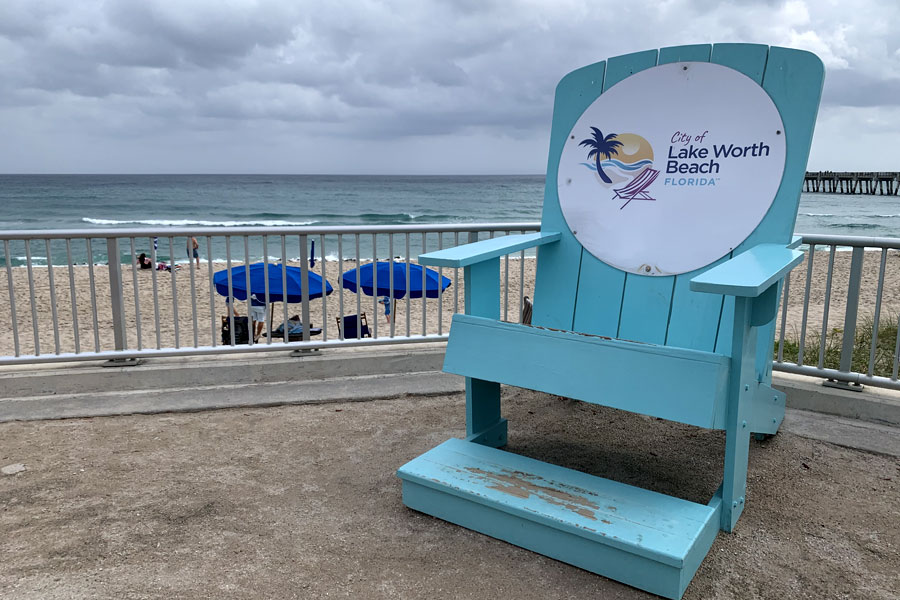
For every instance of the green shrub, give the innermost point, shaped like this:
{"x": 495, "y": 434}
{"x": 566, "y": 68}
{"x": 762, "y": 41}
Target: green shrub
{"x": 884, "y": 349}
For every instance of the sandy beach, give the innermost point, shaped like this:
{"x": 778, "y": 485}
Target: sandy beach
{"x": 181, "y": 325}
{"x": 202, "y": 326}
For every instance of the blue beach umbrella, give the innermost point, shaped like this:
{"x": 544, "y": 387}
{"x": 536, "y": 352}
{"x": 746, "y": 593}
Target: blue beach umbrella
{"x": 295, "y": 292}
{"x": 434, "y": 283}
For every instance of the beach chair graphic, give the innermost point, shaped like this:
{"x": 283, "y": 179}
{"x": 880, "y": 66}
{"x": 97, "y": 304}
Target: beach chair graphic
{"x": 636, "y": 190}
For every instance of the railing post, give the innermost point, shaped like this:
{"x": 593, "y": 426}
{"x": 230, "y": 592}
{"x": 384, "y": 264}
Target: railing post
{"x": 304, "y": 302}
{"x": 118, "y": 302}
{"x": 304, "y": 280}
{"x": 849, "y": 339}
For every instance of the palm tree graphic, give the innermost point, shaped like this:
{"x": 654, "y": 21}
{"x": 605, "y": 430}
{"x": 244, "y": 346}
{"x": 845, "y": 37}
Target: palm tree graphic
{"x": 601, "y": 147}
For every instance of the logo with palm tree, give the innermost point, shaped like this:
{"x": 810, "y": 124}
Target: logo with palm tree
{"x": 601, "y": 146}
{"x": 632, "y": 166}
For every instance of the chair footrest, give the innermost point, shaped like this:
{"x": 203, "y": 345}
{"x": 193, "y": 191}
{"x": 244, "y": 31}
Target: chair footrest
{"x": 645, "y": 539}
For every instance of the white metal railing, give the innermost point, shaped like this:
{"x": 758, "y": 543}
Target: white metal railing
{"x": 68, "y": 301}
{"x": 844, "y": 346}
{"x": 72, "y": 298}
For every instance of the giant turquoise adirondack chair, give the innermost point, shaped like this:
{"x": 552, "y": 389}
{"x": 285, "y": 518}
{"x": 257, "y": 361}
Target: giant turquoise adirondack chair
{"x": 663, "y": 245}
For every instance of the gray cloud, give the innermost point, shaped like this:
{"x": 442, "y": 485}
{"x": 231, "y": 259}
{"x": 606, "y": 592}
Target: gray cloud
{"x": 144, "y": 74}
{"x": 853, "y": 88}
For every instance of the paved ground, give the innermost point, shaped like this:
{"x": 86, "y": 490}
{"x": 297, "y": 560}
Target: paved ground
{"x": 302, "y": 501}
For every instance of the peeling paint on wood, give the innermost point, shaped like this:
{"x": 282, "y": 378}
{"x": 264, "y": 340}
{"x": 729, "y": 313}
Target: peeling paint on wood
{"x": 522, "y": 485}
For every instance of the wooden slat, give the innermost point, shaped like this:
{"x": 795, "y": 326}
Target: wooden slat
{"x": 558, "y": 264}
{"x": 694, "y": 52}
{"x": 632, "y": 376}
{"x": 600, "y": 290}
{"x": 749, "y": 59}
{"x": 644, "y": 314}
{"x": 793, "y": 79}
{"x": 622, "y": 67}
{"x": 604, "y": 291}
{"x": 645, "y": 308}
{"x": 693, "y": 318}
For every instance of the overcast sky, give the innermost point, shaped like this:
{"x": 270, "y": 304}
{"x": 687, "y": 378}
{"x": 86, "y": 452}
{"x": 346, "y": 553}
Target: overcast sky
{"x": 391, "y": 87}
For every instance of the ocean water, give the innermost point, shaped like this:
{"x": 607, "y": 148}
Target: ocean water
{"x": 157, "y": 202}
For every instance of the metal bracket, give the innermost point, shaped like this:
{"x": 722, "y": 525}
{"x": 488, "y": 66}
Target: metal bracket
{"x": 123, "y": 362}
{"x": 301, "y": 352}
{"x": 843, "y": 385}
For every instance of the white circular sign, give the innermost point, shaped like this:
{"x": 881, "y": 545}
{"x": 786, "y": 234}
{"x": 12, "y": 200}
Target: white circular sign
{"x": 672, "y": 168}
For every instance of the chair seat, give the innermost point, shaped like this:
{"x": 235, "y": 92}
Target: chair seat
{"x": 632, "y": 376}
{"x": 646, "y": 539}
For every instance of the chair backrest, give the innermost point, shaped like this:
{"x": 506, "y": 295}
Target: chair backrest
{"x": 724, "y": 155}
{"x": 350, "y": 325}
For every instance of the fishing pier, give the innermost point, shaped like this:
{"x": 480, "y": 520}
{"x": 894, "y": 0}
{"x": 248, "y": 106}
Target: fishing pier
{"x": 831, "y": 182}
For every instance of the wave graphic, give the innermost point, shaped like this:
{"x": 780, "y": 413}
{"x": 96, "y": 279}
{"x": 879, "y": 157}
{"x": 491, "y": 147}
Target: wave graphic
{"x": 620, "y": 165}
{"x": 817, "y": 214}
{"x": 190, "y": 222}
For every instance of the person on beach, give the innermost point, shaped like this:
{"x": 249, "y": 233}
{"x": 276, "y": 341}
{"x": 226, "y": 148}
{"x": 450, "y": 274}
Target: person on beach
{"x": 386, "y": 301}
{"x": 144, "y": 262}
{"x": 258, "y": 316}
{"x": 193, "y": 245}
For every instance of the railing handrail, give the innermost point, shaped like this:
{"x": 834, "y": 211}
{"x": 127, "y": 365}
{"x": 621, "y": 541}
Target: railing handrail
{"x": 850, "y": 240}
{"x": 143, "y": 232}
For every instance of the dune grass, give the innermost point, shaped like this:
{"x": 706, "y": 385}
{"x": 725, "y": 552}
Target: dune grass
{"x": 865, "y": 331}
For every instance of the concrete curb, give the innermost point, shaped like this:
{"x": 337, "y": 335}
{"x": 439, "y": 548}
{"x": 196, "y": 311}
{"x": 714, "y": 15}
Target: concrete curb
{"x": 192, "y": 372}
{"x": 849, "y": 433}
{"x": 201, "y": 383}
{"x": 807, "y": 393}
{"x": 256, "y": 395}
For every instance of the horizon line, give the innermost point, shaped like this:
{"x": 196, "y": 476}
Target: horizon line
{"x": 280, "y": 174}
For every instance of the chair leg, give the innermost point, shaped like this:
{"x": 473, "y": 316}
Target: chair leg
{"x": 734, "y": 489}
{"x": 484, "y": 425}
{"x": 738, "y": 421}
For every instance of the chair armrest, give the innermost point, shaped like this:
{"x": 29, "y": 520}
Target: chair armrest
{"x": 749, "y": 274}
{"x": 476, "y": 252}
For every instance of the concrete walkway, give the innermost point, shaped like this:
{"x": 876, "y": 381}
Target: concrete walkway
{"x": 302, "y": 501}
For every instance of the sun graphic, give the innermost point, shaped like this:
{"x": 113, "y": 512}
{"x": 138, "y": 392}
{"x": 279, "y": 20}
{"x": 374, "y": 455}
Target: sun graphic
{"x": 616, "y": 157}
{"x": 634, "y": 149}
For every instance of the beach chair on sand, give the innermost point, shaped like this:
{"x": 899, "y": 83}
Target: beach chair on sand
{"x": 661, "y": 308}
{"x": 351, "y": 325}
{"x": 241, "y": 330}
{"x": 636, "y": 190}
{"x": 295, "y": 330}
